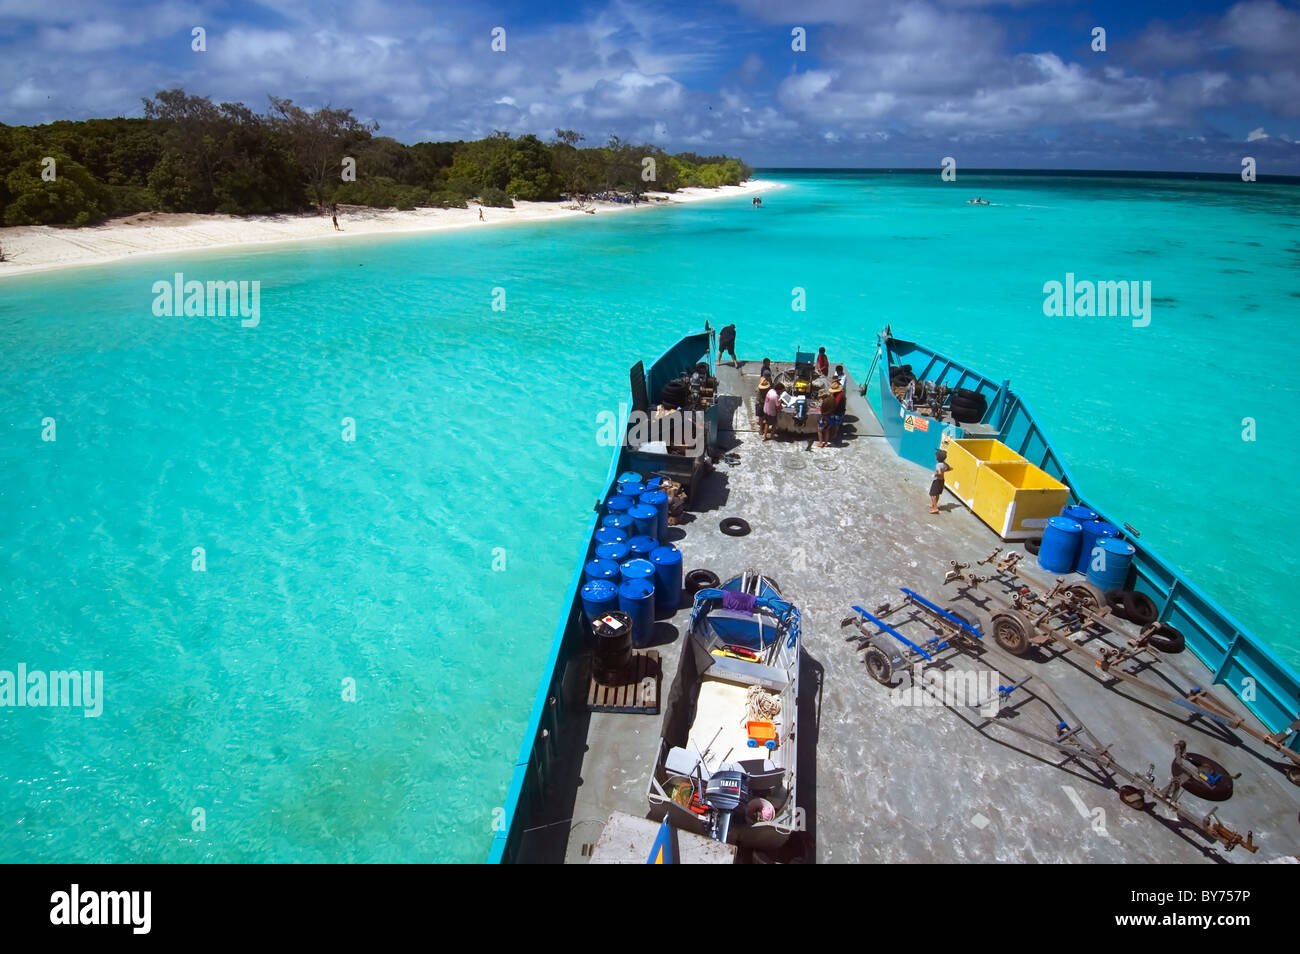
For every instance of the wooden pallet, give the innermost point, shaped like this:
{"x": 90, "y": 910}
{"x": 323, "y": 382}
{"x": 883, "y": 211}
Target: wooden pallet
{"x": 639, "y": 694}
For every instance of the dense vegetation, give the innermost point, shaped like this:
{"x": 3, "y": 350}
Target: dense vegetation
{"x": 189, "y": 154}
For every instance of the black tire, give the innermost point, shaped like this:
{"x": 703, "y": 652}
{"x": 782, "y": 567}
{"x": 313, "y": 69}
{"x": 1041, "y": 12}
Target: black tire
{"x": 697, "y": 580}
{"x": 1087, "y": 595}
{"x": 1011, "y": 633}
{"x": 1167, "y": 639}
{"x": 1135, "y": 607}
{"x": 1293, "y": 774}
{"x": 734, "y": 527}
{"x": 1219, "y": 790}
{"x": 966, "y": 395}
{"x": 878, "y": 665}
{"x": 1032, "y": 545}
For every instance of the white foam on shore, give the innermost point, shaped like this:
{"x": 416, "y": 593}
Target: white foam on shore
{"x": 35, "y": 248}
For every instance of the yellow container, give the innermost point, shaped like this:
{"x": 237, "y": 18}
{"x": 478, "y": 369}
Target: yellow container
{"x": 966, "y": 457}
{"x": 1016, "y": 498}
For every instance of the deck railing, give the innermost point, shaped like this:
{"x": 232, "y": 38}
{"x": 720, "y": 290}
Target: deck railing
{"x": 527, "y": 790}
{"x": 1237, "y": 658}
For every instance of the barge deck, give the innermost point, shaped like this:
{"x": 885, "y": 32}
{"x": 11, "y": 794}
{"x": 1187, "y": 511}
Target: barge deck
{"x": 880, "y": 782}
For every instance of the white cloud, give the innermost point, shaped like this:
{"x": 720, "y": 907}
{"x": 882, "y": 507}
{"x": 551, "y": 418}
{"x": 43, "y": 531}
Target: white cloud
{"x": 1256, "y": 134}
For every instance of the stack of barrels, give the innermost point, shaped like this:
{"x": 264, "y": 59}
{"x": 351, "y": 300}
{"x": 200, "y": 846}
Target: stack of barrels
{"x": 631, "y": 575}
{"x": 1079, "y": 541}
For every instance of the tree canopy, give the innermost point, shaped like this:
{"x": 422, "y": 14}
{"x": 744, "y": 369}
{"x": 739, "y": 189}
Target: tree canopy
{"x": 189, "y": 154}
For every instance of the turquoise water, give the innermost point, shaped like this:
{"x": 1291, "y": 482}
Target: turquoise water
{"x": 475, "y": 444}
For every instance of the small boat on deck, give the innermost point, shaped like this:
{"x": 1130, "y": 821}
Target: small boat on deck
{"x": 726, "y": 761}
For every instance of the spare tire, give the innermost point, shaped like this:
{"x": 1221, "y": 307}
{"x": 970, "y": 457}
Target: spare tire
{"x": 697, "y": 580}
{"x": 1167, "y": 639}
{"x": 1213, "y": 784}
{"x": 1135, "y": 606}
{"x": 1032, "y": 545}
{"x": 734, "y": 527}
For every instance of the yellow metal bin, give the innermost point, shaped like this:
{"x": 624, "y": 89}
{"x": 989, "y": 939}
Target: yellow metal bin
{"x": 966, "y": 457}
{"x": 1016, "y": 498}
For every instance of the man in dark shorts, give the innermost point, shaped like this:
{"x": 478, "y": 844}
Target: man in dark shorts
{"x": 727, "y": 343}
{"x": 936, "y": 484}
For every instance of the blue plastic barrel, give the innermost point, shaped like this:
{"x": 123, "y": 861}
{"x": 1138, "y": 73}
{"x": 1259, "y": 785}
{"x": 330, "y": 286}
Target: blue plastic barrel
{"x": 605, "y": 535}
{"x": 667, "y": 561}
{"x": 600, "y": 570}
{"x": 628, "y": 476}
{"x": 619, "y": 504}
{"x": 1093, "y": 531}
{"x": 1111, "y": 559}
{"x": 598, "y": 598}
{"x": 1060, "y": 547}
{"x": 1080, "y": 513}
{"x": 659, "y": 500}
{"x": 618, "y": 552}
{"x": 621, "y": 522}
{"x": 636, "y": 598}
{"x": 636, "y": 568}
{"x": 631, "y": 488}
{"x": 647, "y": 519}
{"x": 643, "y": 545}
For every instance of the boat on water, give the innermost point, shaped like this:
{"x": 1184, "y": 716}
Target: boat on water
{"x": 727, "y": 759}
{"x": 846, "y": 529}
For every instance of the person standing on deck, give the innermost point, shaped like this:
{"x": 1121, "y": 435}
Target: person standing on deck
{"x": 760, "y": 399}
{"x": 823, "y": 363}
{"x": 936, "y": 483}
{"x": 827, "y": 418}
{"x": 770, "y": 405}
{"x": 837, "y": 414}
{"x": 727, "y": 343}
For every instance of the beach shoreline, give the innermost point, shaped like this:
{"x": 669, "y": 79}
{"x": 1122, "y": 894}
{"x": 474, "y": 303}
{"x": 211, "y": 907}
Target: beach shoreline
{"x": 39, "y": 248}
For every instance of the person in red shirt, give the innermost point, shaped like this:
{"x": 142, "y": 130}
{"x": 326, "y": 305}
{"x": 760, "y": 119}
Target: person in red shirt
{"x": 823, "y": 363}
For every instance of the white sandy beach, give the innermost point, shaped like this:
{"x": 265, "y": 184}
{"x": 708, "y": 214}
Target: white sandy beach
{"x": 34, "y": 248}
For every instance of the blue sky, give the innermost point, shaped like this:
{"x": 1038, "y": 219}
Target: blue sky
{"x": 1192, "y": 86}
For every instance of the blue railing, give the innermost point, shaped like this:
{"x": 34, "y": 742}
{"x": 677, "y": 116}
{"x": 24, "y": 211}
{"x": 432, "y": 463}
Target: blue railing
{"x": 1260, "y": 679}
{"x": 526, "y": 792}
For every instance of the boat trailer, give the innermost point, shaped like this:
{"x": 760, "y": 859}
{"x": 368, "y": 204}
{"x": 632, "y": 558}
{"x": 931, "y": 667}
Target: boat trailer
{"x": 1070, "y": 617}
{"x": 888, "y": 651}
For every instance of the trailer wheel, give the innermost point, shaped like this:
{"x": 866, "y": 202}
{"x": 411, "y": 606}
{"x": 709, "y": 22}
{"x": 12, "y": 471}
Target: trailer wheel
{"x": 1011, "y": 634}
{"x": 1293, "y": 775}
{"x": 1087, "y": 595}
{"x": 879, "y": 666}
{"x": 1213, "y": 783}
{"x": 1167, "y": 639}
{"x": 1132, "y": 796}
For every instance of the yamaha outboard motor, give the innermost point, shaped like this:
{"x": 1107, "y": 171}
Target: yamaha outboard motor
{"x": 726, "y": 793}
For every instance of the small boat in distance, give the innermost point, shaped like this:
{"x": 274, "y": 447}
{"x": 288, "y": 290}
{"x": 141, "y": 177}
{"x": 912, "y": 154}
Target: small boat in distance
{"x": 726, "y": 761}
{"x": 977, "y": 201}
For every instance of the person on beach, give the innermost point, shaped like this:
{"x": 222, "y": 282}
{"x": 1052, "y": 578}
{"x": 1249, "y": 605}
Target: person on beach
{"x": 480, "y": 215}
{"x": 334, "y": 214}
{"x": 760, "y": 400}
{"x": 727, "y": 343}
{"x": 823, "y": 363}
{"x": 770, "y": 405}
{"x": 941, "y": 465}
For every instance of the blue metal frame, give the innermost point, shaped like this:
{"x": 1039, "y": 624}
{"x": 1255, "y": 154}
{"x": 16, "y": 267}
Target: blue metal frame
{"x": 1237, "y": 658}
{"x": 531, "y": 766}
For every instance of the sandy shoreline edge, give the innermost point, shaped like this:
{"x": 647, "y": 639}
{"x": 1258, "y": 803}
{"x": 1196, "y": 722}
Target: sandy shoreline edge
{"x": 39, "y": 248}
